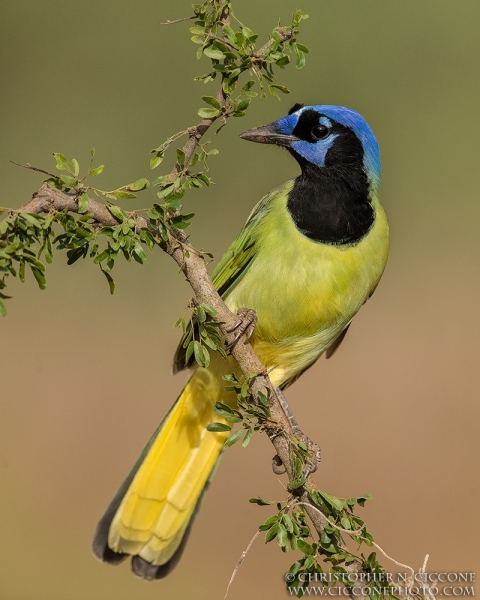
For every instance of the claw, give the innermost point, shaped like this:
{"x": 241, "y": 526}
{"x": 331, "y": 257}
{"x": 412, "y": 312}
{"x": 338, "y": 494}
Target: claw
{"x": 276, "y": 464}
{"x": 310, "y": 463}
{"x": 245, "y": 324}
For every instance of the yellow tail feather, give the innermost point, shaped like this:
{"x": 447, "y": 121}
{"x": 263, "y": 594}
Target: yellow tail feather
{"x": 156, "y": 508}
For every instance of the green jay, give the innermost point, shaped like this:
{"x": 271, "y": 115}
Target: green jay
{"x": 309, "y": 256}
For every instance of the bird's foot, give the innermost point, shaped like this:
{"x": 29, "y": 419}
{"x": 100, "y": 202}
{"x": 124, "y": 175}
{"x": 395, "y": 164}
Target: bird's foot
{"x": 309, "y": 449}
{"x": 245, "y": 324}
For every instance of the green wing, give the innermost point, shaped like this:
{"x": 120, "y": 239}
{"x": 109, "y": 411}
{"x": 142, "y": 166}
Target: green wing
{"x": 233, "y": 265}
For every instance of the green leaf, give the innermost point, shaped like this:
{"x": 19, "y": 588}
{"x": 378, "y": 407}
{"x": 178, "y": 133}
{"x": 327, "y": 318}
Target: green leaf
{"x": 3, "y": 310}
{"x": 181, "y": 321}
{"x": 182, "y": 221}
{"x": 111, "y": 283}
{"x": 260, "y": 501}
{"x": 296, "y": 483}
{"x": 248, "y": 437}
{"x": 282, "y": 88}
{"x": 201, "y": 314}
{"x": 82, "y": 203}
{"x": 139, "y": 251}
{"x": 62, "y": 163}
{"x": 40, "y": 277}
{"x": 75, "y": 167}
{"x": 59, "y": 157}
{"x": 303, "y": 48}
{"x": 160, "y": 180}
{"x": 212, "y": 101}
{"x": 332, "y": 500}
{"x": 247, "y": 32}
{"x": 222, "y": 409}
{"x": 123, "y": 194}
{"x": 361, "y": 501}
{"x": 229, "y": 33}
{"x": 270, "y": 522}
{"x": 218, "y": 427}
{"x": 189, "y": 350}
{"x": 116, "y": 212}
{"x": 304, "y": 547}
{"x": 197, "y": 351}
{"x": 242, "y": 105}
{"x": 155, "y": 161}
{"x": 283, "y": 61}
{"x": 101, "y": 257}
{"x": 309, "y": 562}
{"x": 208, "y": 309}
{"x": 165, "y": 191}
{"x": 67, "y": 180}
{"x": 138, "y": 185}
{"x": 214, "y": 53}
{"x": 234, "y": 419}
{"x": 233, "y": 439}
{"x": 33, "y": 219}
{"x": 76, "y": 253}
{"x": 282, "y": 537}
{"x": 96, "y": 171}
{"x": 300, "y": 59}
{"x": 197, "y": 30}
{"x": 271, "y": 533}
{"x": 180, "y": 157}
{"x": 208, "y": 113}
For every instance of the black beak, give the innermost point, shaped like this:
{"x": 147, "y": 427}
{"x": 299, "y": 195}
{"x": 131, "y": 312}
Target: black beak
{"x": 268, "y": 134}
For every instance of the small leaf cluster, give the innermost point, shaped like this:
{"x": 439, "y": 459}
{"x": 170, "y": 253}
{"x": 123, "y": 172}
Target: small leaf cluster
{"x": 23, "y": 239}
{"x": 172, "y": 191}
{"x": 290, "y": 532}
{"x": 251, "y": 413}
{"x": 294, "y": 533}
{"x": 72, "y": 181}
{"x": 81, "y": 234}
{"x": 201, "y": 335}
{"x": 340, "y": 516}
{"x": 376, "y": 579}
{"x": 233, "y": 51}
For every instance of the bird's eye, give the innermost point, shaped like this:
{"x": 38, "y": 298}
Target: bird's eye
{"x": 320, "y": 132}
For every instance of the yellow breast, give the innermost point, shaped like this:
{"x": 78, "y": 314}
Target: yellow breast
{"x": 305, "y": 293}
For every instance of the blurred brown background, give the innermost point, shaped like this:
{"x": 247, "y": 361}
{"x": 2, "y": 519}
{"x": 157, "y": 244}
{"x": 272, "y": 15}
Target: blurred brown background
{"x": 85, "y": 376}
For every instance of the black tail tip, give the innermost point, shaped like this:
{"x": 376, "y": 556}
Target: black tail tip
{"x": 100, "y": 545}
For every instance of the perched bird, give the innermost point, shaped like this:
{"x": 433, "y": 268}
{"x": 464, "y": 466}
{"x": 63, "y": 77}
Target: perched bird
{"x": 309, "y": 256}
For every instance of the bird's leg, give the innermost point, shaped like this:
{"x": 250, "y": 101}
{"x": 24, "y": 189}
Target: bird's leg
{"x": 312, "y": 462}
{"x": 246, "y": 322}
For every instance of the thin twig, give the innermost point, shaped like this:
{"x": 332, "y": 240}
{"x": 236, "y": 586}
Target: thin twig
{"x": 240, "y": 561}
{"x": 179, "y": 20}
{"x": 29, "y": 166}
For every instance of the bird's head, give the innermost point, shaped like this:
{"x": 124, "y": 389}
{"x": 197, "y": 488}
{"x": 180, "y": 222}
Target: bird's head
{"x": 324, "y": 136}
